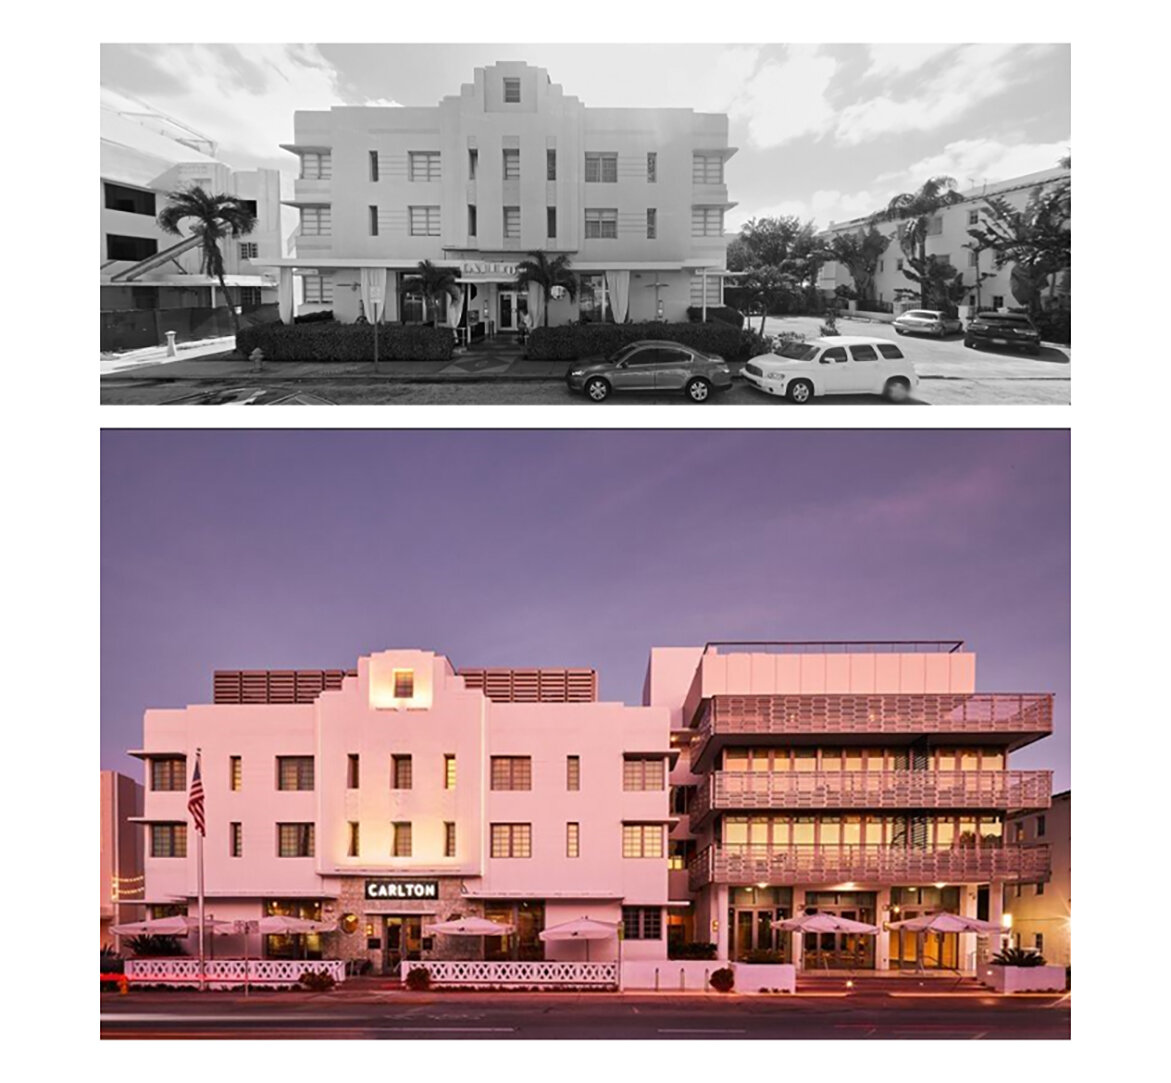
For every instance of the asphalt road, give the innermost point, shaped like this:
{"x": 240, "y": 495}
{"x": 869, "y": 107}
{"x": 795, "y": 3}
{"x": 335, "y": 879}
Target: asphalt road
{"x": 706, "y": 1017}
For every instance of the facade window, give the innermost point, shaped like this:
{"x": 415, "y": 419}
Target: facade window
{"x": 550, "y": 222}
{"x": 130, "y": 248}
{"x": 400, "y": 772}
{"x": 935, "y": 227}
{"x": 652, "y": 167}
{"x": 448, "y": 839}
{"x": 652, "y": 223}
{"x": 1040, "y": 827}
{"x": 374, "y": 165}
{"x": 881, "y": 266}
{"x": 236, "y": 839}
{"x": 642, "y": 923}
{"x": 512, "y": 90}
{"x": 1039, "y": 942}
{"x": 593, "y": 299}
{"x": 601, "y": 223}
{"x": 235, "y": 773}
{"x": 642, "y": 840}
{"x": 512, "y": 840}
{"x": 471, "y": 219}
{"x": 707, "y": 221}
{"x": 449, "y": 772}
{"x": 898, "y": 265}
{"x": 707, "y": 169}
{"x": 973, "y": 258}
{"x": 352, "y": 849}
{"x": 168, "y": 840}
{"x": 316, "y": 221}
{"x": 512, "y": 772}
{"x": 316, "y": 165}
{"x": 404, "y": 684}
{"x": 373, "y": 221}
{"x": 1040, "y": 887}
{"x": 473, "y": 162}
{"x": 132, "y": 200}
{"x": 550, "y": 164}
{"x": 352, "y": 773}
{"x": 973, "y": 218}
{"x": 511, "y": 163}
{"x": 512, "y": 223}
{"x": 573, "y": 840}
{"x": 249, "y": 296}
{"x": 249, "y": 250}
{"x": 997, "y": 301}
{"x": 295, "y": 840}
{"x": 642, "y": 773}
{"x": 423, "y": 165}
{"x": 249, "y": 205}
{"x": 401, "y": 846}
{"x": 318, "y": 289}
{"x": 168, "y": 773}
{"x": 601, "y": 168}
{"x": 424, "y": 221}
{"x": 294, "y": 772}
{"x": 573, "y": 772}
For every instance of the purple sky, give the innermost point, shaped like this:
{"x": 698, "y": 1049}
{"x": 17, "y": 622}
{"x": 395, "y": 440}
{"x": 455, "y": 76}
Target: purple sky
{"x": 287, "y": 549}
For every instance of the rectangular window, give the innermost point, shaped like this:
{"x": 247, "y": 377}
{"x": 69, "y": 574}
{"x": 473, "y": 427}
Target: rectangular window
{"x": 707, "y": 169}
{"x": 318, "y": 289}
{"x": 1039, "y": 941}
{"x": 295, "y": 840}
{"x": 601, "y": 168}
{"x": 707, "y": 221}
{"x": 550, "y": 222}
{"x": 935, "y": 227}
{"x": 423, "y": 165}
{"x": 249, "y": 250}
{"x": 316, "y": 165}
{"x": 572, "y": 840}
{"x": 642, "y": 923}
{"x": 121, "y": 198}
{"x": 642, "y": 773}
{"x": 236, "y": 839}
{"x": 652, "y": 223}
{"x": 449, "y": 772}
{"x": 642, "y": 840}
{"x": 511, "y": 223}
{"x": 373, "y": 165}
{"x": 512, "y": 840}
{"x": 573, "y": 772}
{"x": 168, "y": 773}
{"x": 352, "y": 771}
{"x": 400, "y": 776}
{"x": 511, "y": 163}
{"x": 249, "y": 296}
{"x": 1040, "y": 827}
{"x": 898, "y": 264}
{"x": 471, "y": 219}
{"x": 550, "y": 164}
{"x": 404, "y": 684}
{"x": 512, "y": 772}
{"x": 512, "y": 90}
{"x": 1040, "y": 887}
{"x": 294, "y": 772}
{"x": 130, "y": 248}
{"x": 424, "y": 221}
{"x": 316, "y": 221}
{"x": 593, "y": 299}
{"x": 473, "y": 162}
{"x": 601, "y": 223}
{"x": 373, "y": 221}
{"x": 402, "y": 840}
{"x": 652, "y": 167}
{"x": 235, "y": 773}
{"x": 997, "y": 301}
{"x": 168, "y": 840}
{"x": 881, "y": 266}
{"x": 352, "y": 849}
{"x": 449, "y": 839}
{"x": 973, "y": 218}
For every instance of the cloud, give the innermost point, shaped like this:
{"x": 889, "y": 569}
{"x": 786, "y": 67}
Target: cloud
{"x": 974, "y": 161}
{"x": 786, "y": 99}
{"x": 823, "y": 206}
{"x": 893, "y": 61}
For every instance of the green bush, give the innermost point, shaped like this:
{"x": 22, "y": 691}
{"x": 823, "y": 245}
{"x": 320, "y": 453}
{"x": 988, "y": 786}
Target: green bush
{"x": 328, "y": 341}
{"x": 418, "y": 979}
{"x": 717, "y": 313}
{"x": 317, "y": 981}
{"x": 572, "y": 342}
{"x": 149, "y": 946}
{"x": 691, "y": 951}
{"x": 723, "y": 979}
{"x": 1018, "y": 957}
{"x": 1054, "y": 327}
{"x": 763, "y": 955}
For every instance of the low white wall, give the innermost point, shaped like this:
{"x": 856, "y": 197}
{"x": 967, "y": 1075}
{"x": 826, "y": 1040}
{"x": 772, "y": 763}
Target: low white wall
{"x": 694, "y": 975}
{"x": 1024, "y": 979}
{"x": 754, "y": 977}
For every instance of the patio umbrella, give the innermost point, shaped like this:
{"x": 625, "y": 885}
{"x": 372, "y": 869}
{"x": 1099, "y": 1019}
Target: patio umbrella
{"x": 278, "y": 924}
{"x": 172, "y": 926}
{"x": 472, "y": 926}
{"x": 826, "y": 923}
{"x": 943, "y": 922}
{"x": 582, "y": 928}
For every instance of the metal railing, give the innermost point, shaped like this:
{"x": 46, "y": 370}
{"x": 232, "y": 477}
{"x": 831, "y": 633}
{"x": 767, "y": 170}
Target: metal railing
{"x": 833, "y": 646}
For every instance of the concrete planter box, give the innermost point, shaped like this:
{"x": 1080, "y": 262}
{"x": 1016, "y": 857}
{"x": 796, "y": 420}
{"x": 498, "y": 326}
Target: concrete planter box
{"x": 694, "y": 975}
{"x": 1024, "y": 979}
{"x": 753, "y": 977}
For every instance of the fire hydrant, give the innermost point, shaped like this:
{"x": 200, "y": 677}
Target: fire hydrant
{"x": 257, "y": 358}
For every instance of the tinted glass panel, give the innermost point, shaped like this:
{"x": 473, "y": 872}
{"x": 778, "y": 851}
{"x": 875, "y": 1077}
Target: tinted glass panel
{"x": 644, "y": 357}
{"x": 838, "y": 353}
{"x": 864, "y": 353}
{"x": 891, "y": 352}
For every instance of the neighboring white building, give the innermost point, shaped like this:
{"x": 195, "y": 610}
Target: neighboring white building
{"x": 120, "y": 852}
{"x": 1042, "y": 911}
{"x": 635, "y": 197}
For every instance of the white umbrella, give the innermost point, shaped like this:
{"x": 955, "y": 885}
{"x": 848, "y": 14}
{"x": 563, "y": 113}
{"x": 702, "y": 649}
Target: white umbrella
{"x": 826, "y": 923}
{"x": 280, "y": 924}
{"x": 582, "y": 928}
{"x": 943, "y": 922}
{"x": 472, "y": 926}
{"x": 178, "y": 925}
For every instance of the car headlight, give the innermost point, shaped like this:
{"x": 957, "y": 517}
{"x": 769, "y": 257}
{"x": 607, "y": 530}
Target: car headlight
{"x": 778, "y": 377}
{"x": 577, "y": 372}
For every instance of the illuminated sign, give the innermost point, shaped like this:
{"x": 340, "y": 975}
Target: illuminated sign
{"x": 402, "y": 889}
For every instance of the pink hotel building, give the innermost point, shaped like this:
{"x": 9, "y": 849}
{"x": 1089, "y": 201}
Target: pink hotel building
{"x": 754, "y": 783}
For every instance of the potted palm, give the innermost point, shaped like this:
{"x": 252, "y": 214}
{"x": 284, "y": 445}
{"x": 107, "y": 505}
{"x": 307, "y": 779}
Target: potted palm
{"x": 1017, "y": 970}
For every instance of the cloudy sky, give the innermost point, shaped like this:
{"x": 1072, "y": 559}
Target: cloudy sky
{"x": 239, "y": 549}
{"x": 825, "y": 132}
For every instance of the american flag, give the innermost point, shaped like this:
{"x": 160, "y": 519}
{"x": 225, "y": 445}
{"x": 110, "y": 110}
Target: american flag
{"x": 195, "y": 798}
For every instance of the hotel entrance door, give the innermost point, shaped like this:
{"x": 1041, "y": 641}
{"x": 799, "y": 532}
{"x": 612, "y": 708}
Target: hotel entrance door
{"x": 403, "y": 939}
{"x": 841, "y": 951}
{"x": 513, "y": 305}
{"x": 754, "y": 931}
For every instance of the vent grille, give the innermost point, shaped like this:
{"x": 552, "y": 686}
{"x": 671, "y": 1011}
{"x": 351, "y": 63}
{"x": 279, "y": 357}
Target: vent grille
{"x": 534, "y": 685}
{"x": 275, "y": 685}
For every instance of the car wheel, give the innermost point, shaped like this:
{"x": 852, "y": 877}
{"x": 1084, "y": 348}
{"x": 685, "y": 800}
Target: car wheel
{"x": 971, "y": 344}
{"x": 897, "y": 389}
{"x": 800, "y": 392}
{"x": 597, "y": 389}
{"x": 1034, "y": 351}
{"x": 698, "y": 390}
{"x": 899, "y": 331}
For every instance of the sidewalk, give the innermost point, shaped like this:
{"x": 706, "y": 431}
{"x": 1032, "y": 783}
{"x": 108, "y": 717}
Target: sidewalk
{"x": 153, "y": 356}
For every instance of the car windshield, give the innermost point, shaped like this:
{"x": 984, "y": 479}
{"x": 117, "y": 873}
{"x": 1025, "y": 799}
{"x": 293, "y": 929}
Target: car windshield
{"x": 922, "y": 314}
{"x": 1007, "y": 321}
{"x": 796, "y": 351}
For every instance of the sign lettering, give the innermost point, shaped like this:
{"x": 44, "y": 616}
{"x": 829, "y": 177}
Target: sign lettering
{"x": 402, "y": 889}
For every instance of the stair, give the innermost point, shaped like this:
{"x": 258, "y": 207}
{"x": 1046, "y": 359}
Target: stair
{"x": 157, "y": 260}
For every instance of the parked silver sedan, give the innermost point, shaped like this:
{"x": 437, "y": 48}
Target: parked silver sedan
{"x": 650, "y": 365}
{"x": 928, "y": 321}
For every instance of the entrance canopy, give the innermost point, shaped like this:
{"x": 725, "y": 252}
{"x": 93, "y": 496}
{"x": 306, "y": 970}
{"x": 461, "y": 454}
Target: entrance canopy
{"x": 470, "y": 927}
{"x": 826, "y": 923}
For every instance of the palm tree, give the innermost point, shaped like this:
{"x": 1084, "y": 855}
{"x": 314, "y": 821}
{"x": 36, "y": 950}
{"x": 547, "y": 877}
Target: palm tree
{"x": 212, "y": 219}
{"x": 920, "y": 207}
{"x": 433, "y": 282}
{"x": 539, "y": 270}
{"x": 859, "y": 254}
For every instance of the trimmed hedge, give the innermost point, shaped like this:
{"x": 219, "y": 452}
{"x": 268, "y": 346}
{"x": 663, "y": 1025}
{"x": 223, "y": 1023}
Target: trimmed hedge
{"x": 572, "y": 342}
{"x": 346, "y": 342}
{"x": 717, "y": 314}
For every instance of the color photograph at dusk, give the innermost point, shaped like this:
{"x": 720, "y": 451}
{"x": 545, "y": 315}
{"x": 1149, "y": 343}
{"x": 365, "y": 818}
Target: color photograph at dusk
{"x": 685, "y": 734}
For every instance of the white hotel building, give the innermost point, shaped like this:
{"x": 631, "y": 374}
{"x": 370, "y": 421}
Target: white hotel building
{"x": 635, "y": 197}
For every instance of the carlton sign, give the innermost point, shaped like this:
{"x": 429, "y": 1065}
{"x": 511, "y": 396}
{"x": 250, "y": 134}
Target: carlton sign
{"x": 402, "y": 889}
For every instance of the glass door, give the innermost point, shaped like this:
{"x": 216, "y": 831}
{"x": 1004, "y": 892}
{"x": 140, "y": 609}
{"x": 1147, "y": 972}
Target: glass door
{"x": 507, "y": 310}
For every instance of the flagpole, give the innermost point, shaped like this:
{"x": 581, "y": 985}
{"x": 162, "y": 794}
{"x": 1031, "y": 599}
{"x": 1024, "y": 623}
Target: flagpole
{"x": 199, "y": 860}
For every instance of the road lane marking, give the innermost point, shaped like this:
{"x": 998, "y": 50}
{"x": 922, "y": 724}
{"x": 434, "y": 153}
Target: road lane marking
{"x": 699, "y": 1030}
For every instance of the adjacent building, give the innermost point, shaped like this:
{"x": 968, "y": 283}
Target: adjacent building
{"x": 120, "y": 852}
{"x": 509, "y": 165}
{"x": 1040, "y": 911}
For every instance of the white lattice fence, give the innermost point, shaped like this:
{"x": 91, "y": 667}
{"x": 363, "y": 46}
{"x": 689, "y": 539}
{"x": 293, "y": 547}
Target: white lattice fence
{"x": 222, "y": 973}
{"x": 554, "y": 975}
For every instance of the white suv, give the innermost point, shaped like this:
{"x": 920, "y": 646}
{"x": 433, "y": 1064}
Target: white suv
{"x": 834, "y": 365}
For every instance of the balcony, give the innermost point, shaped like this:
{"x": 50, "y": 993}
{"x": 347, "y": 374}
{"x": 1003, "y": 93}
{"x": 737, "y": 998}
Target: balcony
{"x": 1003, "y": 718}
{"x": 1008, "y": 791}
{"x": 872, "y": 865}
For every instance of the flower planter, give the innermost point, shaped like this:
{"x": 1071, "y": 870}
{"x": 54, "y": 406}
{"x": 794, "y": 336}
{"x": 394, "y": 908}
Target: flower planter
{"x": 1023, "y": 979}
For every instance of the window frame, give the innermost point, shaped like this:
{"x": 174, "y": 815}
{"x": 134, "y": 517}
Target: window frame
{"x": 402, "y": 843}
{"x": 604, "y": 162}
{"x": 303, "y": 836}
{"x": 449, "y": 838}
{"x": 298, "y": 765}
{"x": 164, "y": 768}
{"x": 235, "y": 839}
{"x": 431, "y": 223}
{"x": 507, "y": 840}
{"x": 424, "y": 166}
{"x": 354, "y": 843}
{"x": 402, "y": 767}
{"x": 642, "y": 923}
{"x": 636, "y": 772}
{"x": 509, "y": 771}
{"x": 652, "y": 167}
{"x": 701, "y": 168}
{"x": 372, "y": 158}
{"x": 511, "y": 223}
{"x": 373, "y": 212}
{"x": 175, "y": 834}
{"x": 551, "y": 222}
{"x": 550, "y": 163}
{"x": 572, "y": 774}
{"x": 573, "y": 839}
{"x": 510, "y": 157}
{"x": 235, "y": 774}
{"x": 652, "y": 223}
{"x": 510, "y": 90}
{"x": 604, "y": 220}
{"x": 634, "y": 841}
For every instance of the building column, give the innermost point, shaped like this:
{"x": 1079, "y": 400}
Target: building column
{"x": 969, "y": 942}
{"x": 798, "y": 940}
{"x": 996, "y": 916}
{"x": 718, "y": 922}
{"x": 882, "y": 941}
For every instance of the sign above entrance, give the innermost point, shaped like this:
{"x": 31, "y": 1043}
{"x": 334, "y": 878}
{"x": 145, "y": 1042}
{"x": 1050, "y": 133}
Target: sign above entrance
{"x": 471, "y": 269}
{"x": 402, "y": 889}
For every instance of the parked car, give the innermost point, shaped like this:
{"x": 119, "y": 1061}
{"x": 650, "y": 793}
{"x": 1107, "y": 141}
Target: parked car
{"x": 1010, "y": 329}
{"x": 652, "y": 365}
{"x": 250, "y": 396}
{"x": 928, "y": 321}
{"x": 834, "y": 365}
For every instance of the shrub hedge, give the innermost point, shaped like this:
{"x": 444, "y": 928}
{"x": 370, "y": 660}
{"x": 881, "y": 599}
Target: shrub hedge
{"x": 572, "y": 342}
{"x": 716, "y": 313}
{"x": 346, "y": 342}
{"x": 699, "y": 950}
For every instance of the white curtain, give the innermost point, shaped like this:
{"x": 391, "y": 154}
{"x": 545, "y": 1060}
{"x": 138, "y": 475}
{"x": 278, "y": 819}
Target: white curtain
{"x": 536, "y": 304}
{"x": 284, "y": 300}
{"x": 618, "y": 283}
{"x": 455, "y": 309}
{"x": 390, "y": 297}
{"x": 373, "y": 280}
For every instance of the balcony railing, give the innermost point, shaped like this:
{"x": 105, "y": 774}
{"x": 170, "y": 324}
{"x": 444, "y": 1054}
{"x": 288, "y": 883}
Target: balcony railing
{"x": 1006, "y": 790}
{"x": 788, "y": 865}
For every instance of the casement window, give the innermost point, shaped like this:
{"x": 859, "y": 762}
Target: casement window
{"x": 573, "y": 840}
{"x": 601, "y": 223}
{"x": 642, "y": 923}
{"x": 935, "y": 226}
{"x": 316, "y": 221}
{"x": 318, "y": 289}
{"x": 550, "y": 164}
{"x": 511, "y": 163}
{"x": 448, "y": 839}
{"x": 898, "y": 264}
{"x": 707, "y": 169}
{"x": 400, "y": 773}
{"x": 168, "y": 840}
{"x": 423, "y": 165}
{"x": 316, "y": 165}
{"x": 235, "y": 773}
{"x": 294, "y": 772}
{"x": 707, "y": 221}
{"x": 131, "y": 200}
{"x": 573, "y": 772}
{"x": 249, "y": 296}
{"x": 352, "y": 848}
{"x": 471, "y": 219}
{"x": 130, "y": 248}
{"x": 512, "y": 772}
{"x": 374, "y": 165}
{"x": 512, "y": 90}
{"x": 1039, "y": 942}
{"x": 511, "y": 223}
{"x": 249, "y": 250}
{"x": 593, "y": 299}
{"x": 401, "y": 844}
{"x": 652, "y": 167}
{"x": 449, "y": 772}
{"x": 236, "y": 839}
{"x": 642, "y": 773}
{"x": 997, "y": 301}
{"x": 551, "y": 222}
{"x": 512, "y": 840}
{"x": 168, "y": 773}
{"x": 473, "y": 162}
{"x": 373, "y": 221}
{"x": 601, "y": 168}
{"x": 1040, "y": 827}
{"x": 352, "y": 771}
{"x": 295, "y": 840}
{"x": 404, "y": 684}
{"x": 642, "y": 840}
{"x": 652, "y": 223}
{"x": 424, "y": 221}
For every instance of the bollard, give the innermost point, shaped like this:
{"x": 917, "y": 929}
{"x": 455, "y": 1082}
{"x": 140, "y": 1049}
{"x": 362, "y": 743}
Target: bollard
{"x": 171, "y": 350}
{"x": 683, "y": 977}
